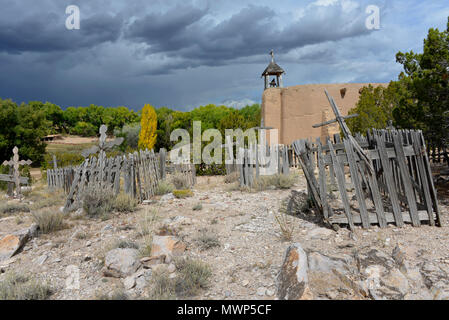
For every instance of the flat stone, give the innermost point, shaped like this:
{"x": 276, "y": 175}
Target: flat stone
{"x": 121, "y": 262}
{"x": 292, "y": 280}
{"x": 12, "y": 243}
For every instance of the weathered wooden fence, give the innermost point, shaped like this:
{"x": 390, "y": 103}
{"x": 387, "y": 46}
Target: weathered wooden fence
{"x": 137, "y": 174}
{"x": 391, "y": 169}
{"x": 251, "y": 166}
{"x": 61, "y": 178}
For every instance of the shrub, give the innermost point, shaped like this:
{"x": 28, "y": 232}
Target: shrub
{"x": 13, "y": 207}
{"x": 180, "y": 181}
{"x": 164, "y": 187}
{"x": 278, "y": 181}
{"x": 19, "y": 287}
{"x": 49, "y": 221}
{"x": 163, "y": 288}
{"x": 97, "y": 202}
{"x": 285, "y": 226}
{"x": 193, "y": 275}
{"x": 125, "y": 203}
{"x": 65, "y": 159}
{"x": 145, "y": 229}
{"x": 232, "y": 177}
{"x": 182, "y": 194}
{"x": 210, "y": 169}
{"x": 84, "y": 129}
{"x": 207, "y": 240}
{"x": 124, "y": 244}
{"x": 131, "y": 134}
{"x": 197, "y": 207}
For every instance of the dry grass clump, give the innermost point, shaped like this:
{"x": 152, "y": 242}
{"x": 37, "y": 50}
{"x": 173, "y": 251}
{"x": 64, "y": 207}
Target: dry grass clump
{"x": 180, "y": 181}
{"x": 162, "y": 287}
{"x": 146, "y": 224}
{"x": 49, "y": 220}
{"x": 98, "y": 202}
{"x": 23, "y": 287}
{"x": 232, "y": 177}
{"x": 13, "y": 207}
{"x": 182, "y": 194}
{"x": 277, "y": 181}
{"x": 207, "y": 239}
{"x": 164, "y": 187}
{"x": 286, "y": 227}
{"x": 47, "y": 198}
{"x": 125, "y": 203}
{"x": 192, "y": 276}
{"x": 126, "y": 244}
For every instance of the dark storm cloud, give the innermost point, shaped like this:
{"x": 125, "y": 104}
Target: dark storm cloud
{"x": 180, "y": 53}
{"x": 46, "y": 32}
{"x": 250, "y": 32}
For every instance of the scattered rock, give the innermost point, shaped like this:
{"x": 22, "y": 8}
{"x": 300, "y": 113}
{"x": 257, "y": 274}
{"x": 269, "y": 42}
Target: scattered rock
{"x": 129, "y": 282}
{"x": 292, "y": 279}
{"x": 107, "y": 227}
{"x": 153, "y": 260}
{"x": 269, "y": 293}
{"x": 320, "y": 233}
{"x": 120, "y": 263}
{"x": 40, "y": 260}
{"x": 167, "y": 197}
{"x": 171, "y": 268}
{"x": 11, "y": 244}
{"x": 245, "y": 283}
{"x": 168, "y": 245}
{"x": 261, "y": 291}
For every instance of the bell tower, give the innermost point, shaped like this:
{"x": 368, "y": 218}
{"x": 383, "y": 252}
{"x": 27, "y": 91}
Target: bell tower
{"x": 273, "y": 71}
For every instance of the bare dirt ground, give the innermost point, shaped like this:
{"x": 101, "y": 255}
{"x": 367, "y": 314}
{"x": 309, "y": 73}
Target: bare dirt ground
{"x": 74, "y": 140}
{"x": 250, "y": 251}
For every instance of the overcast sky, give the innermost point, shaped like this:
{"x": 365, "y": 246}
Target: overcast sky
{"x": 182, "y": 54}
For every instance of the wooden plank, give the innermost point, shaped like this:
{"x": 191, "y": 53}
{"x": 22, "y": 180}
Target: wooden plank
{"x": 433, "y": 192}
{"x": 341, "y": 185}
{"x": 10, "y": 178}
{"x": 322, "y": 182}
{"x": 424, "y": 183}
{"x": 409, "y": 192}
{"x": 390, "y": 218}
{"x": 300, "y": 150}
{"x": 357, "y": 184}
{"x": 388, "y": 174}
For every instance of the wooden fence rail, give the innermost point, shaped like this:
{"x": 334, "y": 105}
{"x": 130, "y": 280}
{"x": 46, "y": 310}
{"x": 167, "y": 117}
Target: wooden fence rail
{"x": 137, "y": 174}
{"x": 400, "y": 189}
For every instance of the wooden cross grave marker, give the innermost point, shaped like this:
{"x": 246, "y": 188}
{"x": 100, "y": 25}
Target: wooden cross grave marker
{"x": 103, "y": 146}
{"x": 15, "y": 177}
{"x": 346, "y": 132}
{"x": 54, "y": 162}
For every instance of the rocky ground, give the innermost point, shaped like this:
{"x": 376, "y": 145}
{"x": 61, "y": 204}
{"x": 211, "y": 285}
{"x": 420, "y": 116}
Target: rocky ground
{"x": 237, "y": 235}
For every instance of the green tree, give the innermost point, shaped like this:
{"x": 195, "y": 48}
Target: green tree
{"x": 425, "y": 78}
{"x": 374, "y": 107}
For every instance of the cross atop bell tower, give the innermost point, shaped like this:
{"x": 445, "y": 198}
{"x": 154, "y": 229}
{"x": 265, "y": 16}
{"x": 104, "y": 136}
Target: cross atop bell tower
{"x": 275, "y": 71}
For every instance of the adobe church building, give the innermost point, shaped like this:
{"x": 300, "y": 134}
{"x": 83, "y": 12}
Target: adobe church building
{"x": 294, "y": 110}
